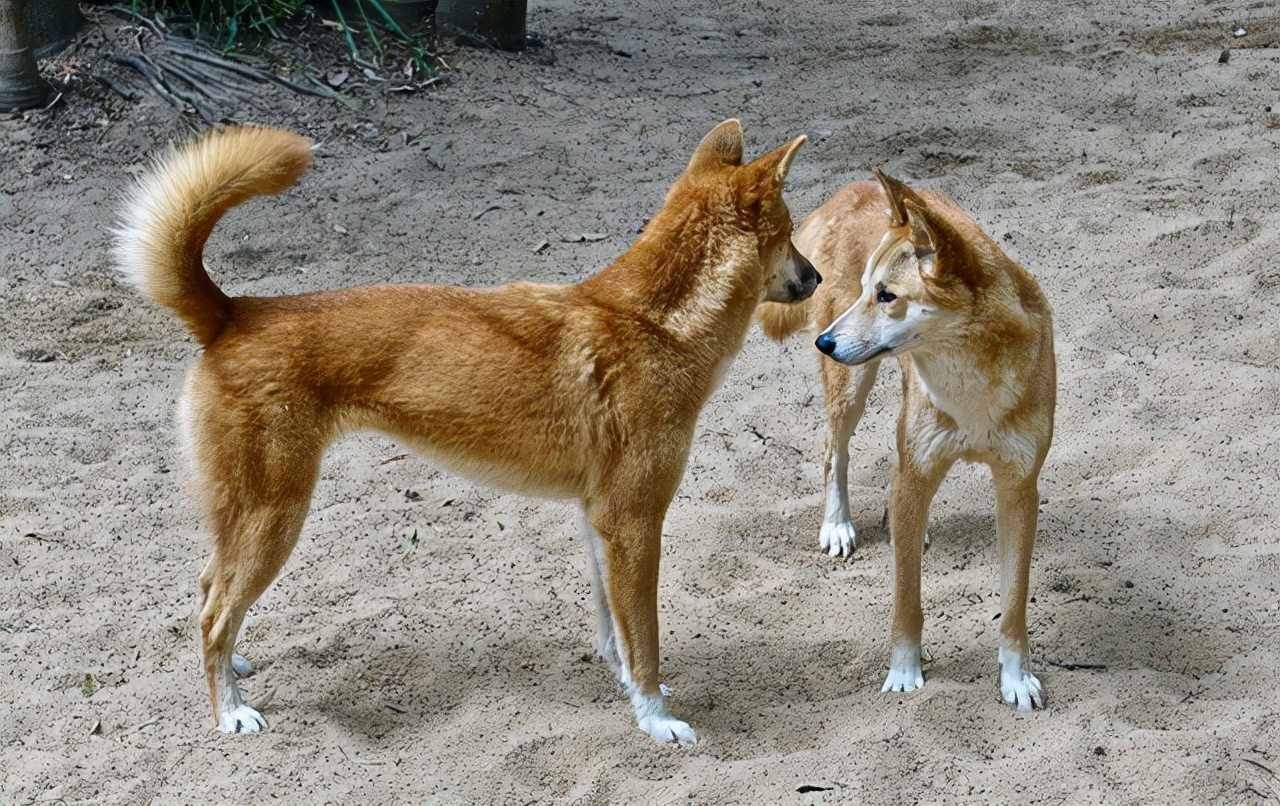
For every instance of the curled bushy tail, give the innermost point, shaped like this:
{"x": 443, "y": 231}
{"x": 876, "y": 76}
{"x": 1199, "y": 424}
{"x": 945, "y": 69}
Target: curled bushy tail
{"x": 781, "y": 319}
{"x": 162, "y": 231}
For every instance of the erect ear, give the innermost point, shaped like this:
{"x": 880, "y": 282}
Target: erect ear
{"x": 898, "y": 194}
{"x": 772, "y": 168}
{"x": 924, "y": 226}
{"x": 722, "y": 146}
{"x": 951, "y": 256}
{"x": 764, "y": 176}
{"x": 779, "y": 160}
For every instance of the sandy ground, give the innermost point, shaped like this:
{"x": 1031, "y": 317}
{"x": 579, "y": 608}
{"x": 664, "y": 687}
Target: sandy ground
{"x": 430, "y": 639}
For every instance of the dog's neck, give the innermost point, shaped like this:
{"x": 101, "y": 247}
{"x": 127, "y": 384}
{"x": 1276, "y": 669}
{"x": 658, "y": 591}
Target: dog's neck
{"x": 695, "y": 278}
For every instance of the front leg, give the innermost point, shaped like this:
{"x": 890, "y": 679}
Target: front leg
{"x": 912, "y": 492}
{"x": 1017, "y": 509}
{"x": 844, "y": 411}
{"x": 632, "y": 545}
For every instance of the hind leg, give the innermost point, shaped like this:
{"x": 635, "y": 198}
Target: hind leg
{"x": 249, "y": 554}
{"x": 251, "y": 546}
{"x": 259, "y": 490}
{"x": 845, "y": 408}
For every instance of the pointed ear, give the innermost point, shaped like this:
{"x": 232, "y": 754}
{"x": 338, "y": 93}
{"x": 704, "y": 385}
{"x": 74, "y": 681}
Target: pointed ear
{"x": 772, "y": 168}
{"x": 953, "y": 257}
{"x": 897, "y": 193}
{"x": 722, "y": 146}
{"x": 924, "y": 230}
{"x": 788, "y": 156}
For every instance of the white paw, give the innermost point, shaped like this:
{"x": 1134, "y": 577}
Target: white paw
{"x": 905, "y": 673}
{"x": 241, "y": 666}
{"x": 837, "y": 539}
{"x": 903, "y": 680}
{"x": 1021, "y": 689}
{"x": 241, "y": 719}
{"x": 666, "y": 729}
{"x": 653, "y": 719}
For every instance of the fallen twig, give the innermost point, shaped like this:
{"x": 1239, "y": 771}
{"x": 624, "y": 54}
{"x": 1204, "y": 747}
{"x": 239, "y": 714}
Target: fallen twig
{"x": 329, "y": 92}
{"x": 43, "y": 538}
{"x": 1071, "y": 665}
{"x": 184, "y": 73}
{"x": 153, "y": 78}
{"x": 121, "y": 90}
{"x": 215, "y": 90}
{"x": 150, "y": 23}
{"x": 189, "y": 49}
{"x": 190, "y": 96}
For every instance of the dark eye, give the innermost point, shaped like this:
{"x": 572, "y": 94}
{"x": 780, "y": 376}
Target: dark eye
{"x": 884, "y": 296}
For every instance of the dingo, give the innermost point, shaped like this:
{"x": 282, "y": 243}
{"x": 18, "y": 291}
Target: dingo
{"x": 973, "y": 335}
{"x": 587, "y": 391}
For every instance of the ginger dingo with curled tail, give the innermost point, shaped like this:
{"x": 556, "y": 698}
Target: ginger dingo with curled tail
{"x": 587, "y": 391}
{"x": 974, "y": 337}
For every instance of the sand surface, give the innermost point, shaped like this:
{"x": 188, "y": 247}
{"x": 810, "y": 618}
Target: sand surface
{"x": 430, "y": 640}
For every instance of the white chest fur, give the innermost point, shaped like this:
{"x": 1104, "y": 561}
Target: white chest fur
{"x": 978, "y": 401}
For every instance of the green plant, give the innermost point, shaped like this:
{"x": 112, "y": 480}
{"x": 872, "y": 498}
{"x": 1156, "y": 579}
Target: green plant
{"x": 225, "y": 20}
{"x": 418, "y": 52}
{"x": 112, "y": 108}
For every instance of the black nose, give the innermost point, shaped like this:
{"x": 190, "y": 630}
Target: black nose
{"x": 825, "y": 344}
{"x": 808, "y": 274}
{"x": 806, "y": 282}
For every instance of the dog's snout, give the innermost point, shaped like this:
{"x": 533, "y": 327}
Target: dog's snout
{"x": 806, "y": 282}
{"x": 826, "y": 344}
{"x": 808, "y": 274}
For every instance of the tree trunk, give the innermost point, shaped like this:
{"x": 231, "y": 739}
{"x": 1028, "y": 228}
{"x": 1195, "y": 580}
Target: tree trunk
{"x": 51, "y": 24}
{"x": 20, "y": 84}
{"x": 485, "y": 22}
